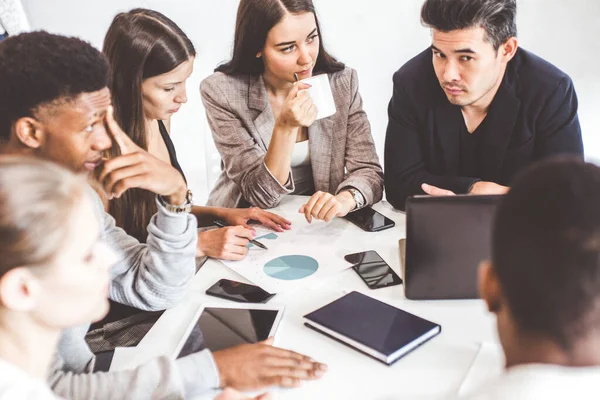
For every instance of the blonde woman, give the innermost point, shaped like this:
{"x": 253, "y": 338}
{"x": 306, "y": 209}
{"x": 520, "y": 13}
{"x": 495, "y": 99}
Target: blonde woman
{"x": 53, "y": 269}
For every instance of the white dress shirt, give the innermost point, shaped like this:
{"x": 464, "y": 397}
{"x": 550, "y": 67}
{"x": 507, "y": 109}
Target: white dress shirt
{"x": 16, "y": 384}
{"x": 542, "y": 382}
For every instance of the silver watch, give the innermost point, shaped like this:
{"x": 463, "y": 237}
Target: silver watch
{"x": 358, "y": 199}
{"x": 186, "y": 207}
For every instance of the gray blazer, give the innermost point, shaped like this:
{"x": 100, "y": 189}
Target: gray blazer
{"x": 240, "y": 117}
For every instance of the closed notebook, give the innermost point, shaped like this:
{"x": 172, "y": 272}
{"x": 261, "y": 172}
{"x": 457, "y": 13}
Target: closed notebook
{"x": 372, "y": 327}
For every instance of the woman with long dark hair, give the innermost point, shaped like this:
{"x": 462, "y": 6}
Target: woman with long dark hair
{"x": 264, "y": 123}
{"x": 151, "y": 59}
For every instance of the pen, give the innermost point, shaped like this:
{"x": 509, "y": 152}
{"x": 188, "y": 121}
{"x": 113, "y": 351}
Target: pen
{"x": 254, "y": 242}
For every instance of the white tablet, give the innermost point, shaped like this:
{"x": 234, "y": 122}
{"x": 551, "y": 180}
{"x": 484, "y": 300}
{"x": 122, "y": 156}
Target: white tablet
{"x": 217, "y": 327}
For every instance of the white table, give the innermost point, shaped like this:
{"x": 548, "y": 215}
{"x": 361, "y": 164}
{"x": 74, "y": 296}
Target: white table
{"x": 436, "y": 369}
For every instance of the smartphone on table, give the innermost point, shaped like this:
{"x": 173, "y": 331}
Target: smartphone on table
{"x": 373, "y": 270}
{"x": 369, "y": 220}
{"x": 238, "y": 291}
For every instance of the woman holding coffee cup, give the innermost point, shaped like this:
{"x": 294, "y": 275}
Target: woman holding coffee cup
{"x": 287, "y": 117}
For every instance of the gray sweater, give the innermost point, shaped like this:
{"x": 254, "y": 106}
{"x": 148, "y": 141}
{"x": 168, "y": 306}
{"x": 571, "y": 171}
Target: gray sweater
{"x": 152, "y": 276}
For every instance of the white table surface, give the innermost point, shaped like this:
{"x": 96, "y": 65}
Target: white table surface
{"x": 438, "y": 368}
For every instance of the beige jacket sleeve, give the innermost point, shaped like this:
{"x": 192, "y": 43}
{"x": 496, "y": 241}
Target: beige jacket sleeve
{"x": 242, "y": 157}
{"x": 363, "y": 171}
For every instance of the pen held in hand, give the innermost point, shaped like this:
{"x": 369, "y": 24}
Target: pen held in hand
{"x": 254, "y": 242}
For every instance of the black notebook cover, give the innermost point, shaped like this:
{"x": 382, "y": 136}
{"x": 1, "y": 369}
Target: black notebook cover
{"x": 372, "y": 323}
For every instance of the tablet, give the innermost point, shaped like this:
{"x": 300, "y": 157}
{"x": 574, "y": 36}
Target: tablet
{"x": 217, "y": 327}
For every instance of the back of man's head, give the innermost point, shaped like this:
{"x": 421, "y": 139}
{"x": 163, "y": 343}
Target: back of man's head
{"x": 546, "y": 250}
{"x": 497, "y": 17}
{"x": 39, "y": 68}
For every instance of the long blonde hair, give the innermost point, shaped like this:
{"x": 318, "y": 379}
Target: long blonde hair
{"x": 37, "y": 199}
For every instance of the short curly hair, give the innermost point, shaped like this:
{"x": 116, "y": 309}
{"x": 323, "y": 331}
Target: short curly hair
{"x": 39, "y": 68}
{"x": 546, "y": 249}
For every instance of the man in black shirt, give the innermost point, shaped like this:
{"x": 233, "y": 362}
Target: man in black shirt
{"x": 471, "y": 111}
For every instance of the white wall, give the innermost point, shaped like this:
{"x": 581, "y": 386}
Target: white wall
{"x": 373, "y": 36}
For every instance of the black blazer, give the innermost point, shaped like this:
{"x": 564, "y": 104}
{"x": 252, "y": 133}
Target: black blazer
{"x": 532, "y": 116}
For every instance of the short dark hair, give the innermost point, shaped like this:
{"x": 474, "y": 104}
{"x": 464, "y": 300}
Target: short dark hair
{"x": 38, "y": 68}
{"x": 497, "y": 17}
{"x": 255, "y": 18}
{"x": 546, "y": 249}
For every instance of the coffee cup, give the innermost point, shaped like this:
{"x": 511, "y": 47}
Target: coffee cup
{"x": 321, "y": 95}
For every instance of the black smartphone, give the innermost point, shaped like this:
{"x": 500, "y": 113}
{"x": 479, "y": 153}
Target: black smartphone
{"x": 373, "y": 270}
{"x": 238, "y": 291}
{"x": 370, "y": 220}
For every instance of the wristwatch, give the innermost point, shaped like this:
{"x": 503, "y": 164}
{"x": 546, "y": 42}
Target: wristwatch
{"x": 358, "y": 198}
{"x": 184, "y": 208}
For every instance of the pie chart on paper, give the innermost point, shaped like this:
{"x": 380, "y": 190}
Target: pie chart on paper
{"x": 292, "y": 267}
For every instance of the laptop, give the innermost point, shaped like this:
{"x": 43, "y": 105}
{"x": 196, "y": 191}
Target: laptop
{"x": 446, "y": 239}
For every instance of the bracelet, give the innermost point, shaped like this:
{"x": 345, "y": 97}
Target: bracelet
{"x": 186, "y": 207}
{"x": 359, "y": 199}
